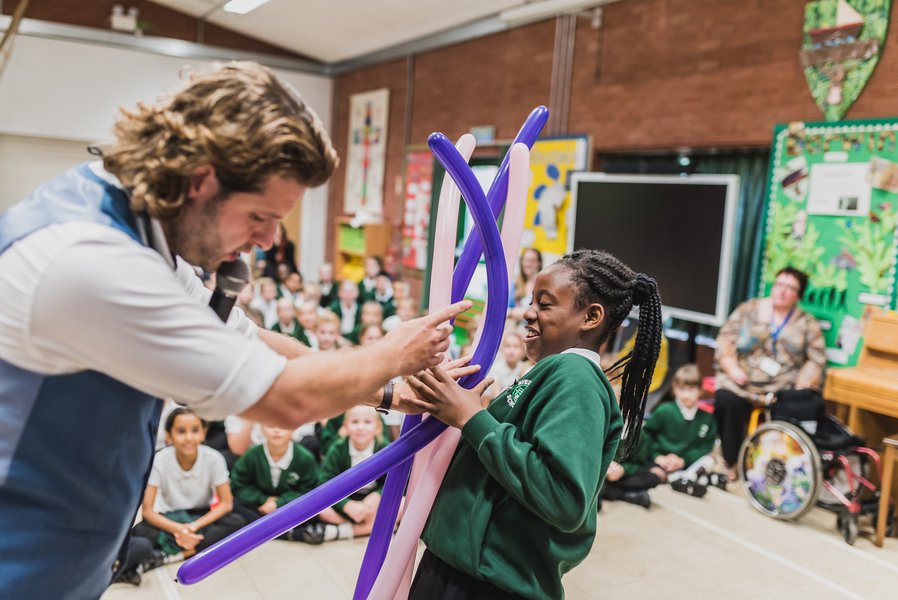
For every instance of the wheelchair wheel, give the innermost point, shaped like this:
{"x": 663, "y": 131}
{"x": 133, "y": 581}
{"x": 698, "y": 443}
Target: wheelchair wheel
{"x": 847, "y": 524}
{"x": 780, "y": 470}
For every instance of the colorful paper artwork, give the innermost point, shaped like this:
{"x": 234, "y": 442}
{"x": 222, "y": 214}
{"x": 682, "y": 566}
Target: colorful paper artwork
{"x": 366, "y": 153}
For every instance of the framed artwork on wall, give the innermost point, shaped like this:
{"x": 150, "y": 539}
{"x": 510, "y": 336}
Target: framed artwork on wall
{"x": 366, "y": 152}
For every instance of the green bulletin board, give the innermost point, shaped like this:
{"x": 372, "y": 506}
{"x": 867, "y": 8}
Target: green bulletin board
{"x": 831, "y": 212}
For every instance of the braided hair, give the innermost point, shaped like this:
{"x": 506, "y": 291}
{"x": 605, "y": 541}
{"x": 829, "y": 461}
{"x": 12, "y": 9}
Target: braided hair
{"x": 603, "y": 279}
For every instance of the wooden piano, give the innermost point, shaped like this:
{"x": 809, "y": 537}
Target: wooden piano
{"x": 866, "y": 396}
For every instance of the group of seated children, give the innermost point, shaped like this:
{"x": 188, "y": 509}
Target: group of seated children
{"x": 191, "y": 501}
{"x": 675, "y": 447}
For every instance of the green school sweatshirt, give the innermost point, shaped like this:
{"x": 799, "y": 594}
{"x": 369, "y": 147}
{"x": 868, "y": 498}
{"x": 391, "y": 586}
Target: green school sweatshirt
{"x": 518, "y": 505}
{"x": 251, "y": 477}
{"x": 337, "y": 460}
{"x": 668, "y": 432}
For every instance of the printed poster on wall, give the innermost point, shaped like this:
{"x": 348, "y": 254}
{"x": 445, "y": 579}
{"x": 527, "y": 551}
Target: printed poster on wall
{"x": 832, "y": 212}
{"x": 416, "y": 218}
{"x": 366, "y": 152}
{"x": 547, "y": 215}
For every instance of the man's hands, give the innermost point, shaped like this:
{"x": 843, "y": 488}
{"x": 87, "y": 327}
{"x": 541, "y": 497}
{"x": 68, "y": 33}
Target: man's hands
{"x": 420, "y": 343}
{"x": 439, "y": 394}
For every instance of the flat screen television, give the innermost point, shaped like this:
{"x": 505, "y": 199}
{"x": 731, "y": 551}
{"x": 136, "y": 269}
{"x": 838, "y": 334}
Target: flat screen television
{"x": 677, "y": 229}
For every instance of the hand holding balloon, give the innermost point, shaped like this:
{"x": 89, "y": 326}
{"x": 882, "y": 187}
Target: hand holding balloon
{"x": 456, "y": 369}
{"x": 444, "y": 398}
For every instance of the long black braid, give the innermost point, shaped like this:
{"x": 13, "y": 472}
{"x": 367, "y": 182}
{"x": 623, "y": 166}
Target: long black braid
{"x": 602, "y": 278}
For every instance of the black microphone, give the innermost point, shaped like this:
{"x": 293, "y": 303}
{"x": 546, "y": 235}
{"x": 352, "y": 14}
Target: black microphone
{"x": 230, "y": 279}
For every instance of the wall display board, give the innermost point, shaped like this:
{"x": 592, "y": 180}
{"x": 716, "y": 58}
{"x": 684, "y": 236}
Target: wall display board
{"x": 416, "y": 217}
{"x": 367, "y": 151}
{"x": 548, "y": 212}
{"x": 831, "y": 212}
{"x": 842, "y": 43}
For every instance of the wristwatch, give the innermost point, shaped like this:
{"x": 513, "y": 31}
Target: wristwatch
{"x": 387, "y": 400}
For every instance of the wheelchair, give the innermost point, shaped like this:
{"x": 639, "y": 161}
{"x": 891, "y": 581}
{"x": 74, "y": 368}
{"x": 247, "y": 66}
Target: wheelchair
{"x": 788, "y": 466}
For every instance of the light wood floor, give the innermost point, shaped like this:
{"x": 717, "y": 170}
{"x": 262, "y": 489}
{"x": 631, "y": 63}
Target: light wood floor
{"x": 714, "y": 547}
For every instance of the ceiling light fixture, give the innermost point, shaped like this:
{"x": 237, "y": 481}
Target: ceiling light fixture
{"x": 241, "y": 7}
{"x": 537, "y": 11}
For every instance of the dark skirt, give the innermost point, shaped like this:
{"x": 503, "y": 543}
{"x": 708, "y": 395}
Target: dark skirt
{"x": 436, "y": 579}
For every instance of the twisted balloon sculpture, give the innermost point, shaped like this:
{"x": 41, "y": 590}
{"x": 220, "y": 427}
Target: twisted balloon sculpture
{"x": 392, "y": 580}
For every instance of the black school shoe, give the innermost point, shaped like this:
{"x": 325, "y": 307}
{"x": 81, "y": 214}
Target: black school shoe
{"x": 310, "y": 533}
{"x": 692, "y": 488}
{"x": 637, "y": 497}
{"x": 131, "y": 576}
{"x": 154, "y": 561}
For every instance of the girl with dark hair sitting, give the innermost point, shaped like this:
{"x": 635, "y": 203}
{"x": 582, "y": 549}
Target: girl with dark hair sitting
{"x": 517, "y": 508}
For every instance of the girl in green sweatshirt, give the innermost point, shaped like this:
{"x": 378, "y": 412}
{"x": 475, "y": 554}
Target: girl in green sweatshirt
{"x": 517, "y": 508}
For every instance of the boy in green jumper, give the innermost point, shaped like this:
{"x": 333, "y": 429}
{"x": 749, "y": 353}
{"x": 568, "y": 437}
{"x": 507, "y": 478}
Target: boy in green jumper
{"x": 676, "y": 446}
{"x": 517, "y": 508}
{"x": 287, "y": 323}
{"x": 272, "y": 474}
{"x": 353, "y": 516}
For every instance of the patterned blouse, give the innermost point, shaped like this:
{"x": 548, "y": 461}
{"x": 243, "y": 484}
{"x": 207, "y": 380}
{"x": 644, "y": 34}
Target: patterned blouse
{"x": 749, "y": 335}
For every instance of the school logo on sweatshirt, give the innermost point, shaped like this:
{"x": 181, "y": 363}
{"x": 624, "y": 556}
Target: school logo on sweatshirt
{"x": 703, "y": 431}
{"x": 291, "y": 478}
{"x": 515, "y": 391}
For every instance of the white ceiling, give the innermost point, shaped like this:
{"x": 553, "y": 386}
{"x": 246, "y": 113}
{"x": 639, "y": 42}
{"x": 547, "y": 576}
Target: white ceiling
{"x": 338, "y": 30}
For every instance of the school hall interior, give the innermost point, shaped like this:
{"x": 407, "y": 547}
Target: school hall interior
{"x": 742, "y": 154}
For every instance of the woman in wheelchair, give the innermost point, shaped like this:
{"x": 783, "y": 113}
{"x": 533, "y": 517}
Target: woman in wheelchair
{"x": 768, "y": 350}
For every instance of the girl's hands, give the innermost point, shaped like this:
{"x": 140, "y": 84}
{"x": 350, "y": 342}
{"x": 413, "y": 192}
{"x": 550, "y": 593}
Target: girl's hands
{"x": 456, "y": 369}
{"x": 187, "y": 539}
{"x": 439, "y": 394}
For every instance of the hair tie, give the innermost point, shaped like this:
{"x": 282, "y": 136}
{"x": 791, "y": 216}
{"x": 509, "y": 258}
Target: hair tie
{"x": 645, "y": 288}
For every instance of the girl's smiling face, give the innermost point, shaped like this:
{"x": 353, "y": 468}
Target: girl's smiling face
{"x": 186, "y": 435}
{"x": 554, "y": 321}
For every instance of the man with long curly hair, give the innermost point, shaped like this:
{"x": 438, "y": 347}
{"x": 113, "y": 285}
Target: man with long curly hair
{"x": 101, "y": 314}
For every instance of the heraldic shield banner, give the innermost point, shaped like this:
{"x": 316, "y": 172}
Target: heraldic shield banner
{"x": 842, "y": 43}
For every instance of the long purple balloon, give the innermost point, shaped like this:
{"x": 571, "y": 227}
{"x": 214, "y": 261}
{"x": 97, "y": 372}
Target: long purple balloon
{"x": 484, "y": 355}
{"x": 300, "y": 510}
{"x": 473, "y": 249}
{"x": 384, "y": 520}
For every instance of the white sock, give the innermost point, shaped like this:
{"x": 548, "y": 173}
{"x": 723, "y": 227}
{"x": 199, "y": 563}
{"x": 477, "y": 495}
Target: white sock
{"x": 330, "y": 533}
{"x": 345, "y": 531}
{"x": 173, "y": 558}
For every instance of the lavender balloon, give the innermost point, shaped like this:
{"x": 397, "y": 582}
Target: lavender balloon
{"x": 473, "y": 249}
{"x": 300, "y": 510}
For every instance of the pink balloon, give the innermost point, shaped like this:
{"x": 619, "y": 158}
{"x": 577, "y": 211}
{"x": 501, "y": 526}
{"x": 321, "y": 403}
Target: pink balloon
{"x": 430, "y": 466}
{"x": 443, "y": 259}
{"x": 442, "y": 265}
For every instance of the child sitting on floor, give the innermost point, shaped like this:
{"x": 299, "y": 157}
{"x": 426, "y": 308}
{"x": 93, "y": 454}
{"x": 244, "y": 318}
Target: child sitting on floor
{"x": 177, "y": 519}
{"x": 272, "y": 474}
{"x": 676, "y": 445}
{"x": 353, "y": 516}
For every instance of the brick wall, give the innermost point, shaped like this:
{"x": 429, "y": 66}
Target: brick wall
{"x": 660, "y": 74}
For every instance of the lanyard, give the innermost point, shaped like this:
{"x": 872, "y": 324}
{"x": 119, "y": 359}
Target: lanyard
{"x": 775, "y": 331}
